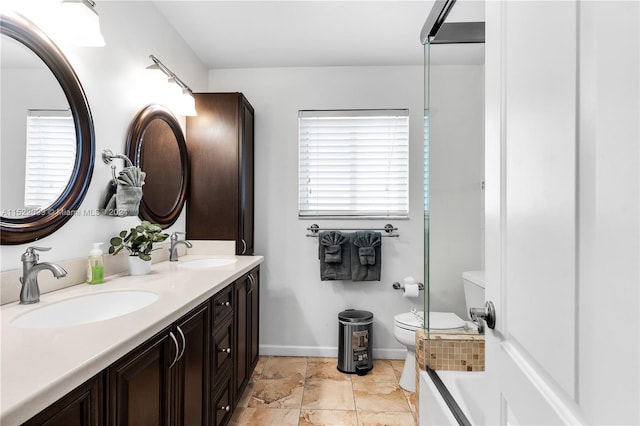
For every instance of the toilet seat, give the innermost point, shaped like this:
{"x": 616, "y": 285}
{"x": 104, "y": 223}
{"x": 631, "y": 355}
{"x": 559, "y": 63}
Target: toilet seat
{"x": 437, "y": 321}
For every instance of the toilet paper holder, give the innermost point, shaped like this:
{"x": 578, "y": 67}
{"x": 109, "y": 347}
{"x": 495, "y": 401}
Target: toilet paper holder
{"x": 398, "y": 286}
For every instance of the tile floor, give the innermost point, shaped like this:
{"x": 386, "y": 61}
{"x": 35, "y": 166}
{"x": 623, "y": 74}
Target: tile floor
{"x": 311, "y": 391}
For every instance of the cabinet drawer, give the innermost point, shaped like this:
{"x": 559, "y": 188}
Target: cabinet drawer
{"x": 221, "y": 358}
{"x": 222, "y": 405}
{"x": 222, "y": 304}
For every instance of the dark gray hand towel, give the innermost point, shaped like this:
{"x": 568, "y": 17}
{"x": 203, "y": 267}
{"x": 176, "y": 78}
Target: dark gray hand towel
{"x": 334, "y": 252}
{"x": 366, "y": 259}
{"x": 332, "y": 241}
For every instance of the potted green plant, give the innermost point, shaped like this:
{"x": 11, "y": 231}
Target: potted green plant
{"x": 139, "y": 242}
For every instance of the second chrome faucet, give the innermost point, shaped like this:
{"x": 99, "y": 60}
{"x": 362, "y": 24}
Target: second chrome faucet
{"x": 173, "y": 250}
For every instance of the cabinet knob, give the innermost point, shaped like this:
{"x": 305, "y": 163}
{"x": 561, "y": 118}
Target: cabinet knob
{"x": 227, "y": 350}
{"x": 224, "y": 304}
{"x": 226, "y": 408}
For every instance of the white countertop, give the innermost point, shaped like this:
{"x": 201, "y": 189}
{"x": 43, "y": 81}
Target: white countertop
{"x": 39, "y": 366}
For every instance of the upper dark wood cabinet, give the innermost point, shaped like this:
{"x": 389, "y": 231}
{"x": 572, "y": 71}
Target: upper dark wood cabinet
{"x": 221, "y": 161}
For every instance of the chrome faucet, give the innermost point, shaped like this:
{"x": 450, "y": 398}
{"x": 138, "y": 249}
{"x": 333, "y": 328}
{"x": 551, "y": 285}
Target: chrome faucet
{"x": 30, "y": 292}
{"x": 173, "y": 250}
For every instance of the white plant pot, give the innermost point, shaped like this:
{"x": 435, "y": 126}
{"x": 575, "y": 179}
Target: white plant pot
{"x": 138, "y": 266}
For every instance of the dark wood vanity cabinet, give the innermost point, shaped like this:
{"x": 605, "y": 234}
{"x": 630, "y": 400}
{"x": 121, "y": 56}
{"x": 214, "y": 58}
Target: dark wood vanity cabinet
{"x": 140, "y": 385}
{"x": 165, "y": 380}
{"x": 254, "y": 321}
{"x": 193, "y": 372}
{"x": 81, "y": 407}
{"x": 247, "y": 293}
{"x": 192, "y": 369}
{"x": 220, "y": 148}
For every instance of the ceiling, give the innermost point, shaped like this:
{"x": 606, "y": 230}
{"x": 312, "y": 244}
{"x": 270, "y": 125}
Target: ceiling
{"x": 263, "y": 34}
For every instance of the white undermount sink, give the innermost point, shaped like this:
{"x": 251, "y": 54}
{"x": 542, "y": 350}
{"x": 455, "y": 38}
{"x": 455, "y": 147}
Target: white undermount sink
{"x": 210, "y": 262}
{"x": 85, "y": 309}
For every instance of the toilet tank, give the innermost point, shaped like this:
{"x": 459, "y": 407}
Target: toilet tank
{"x": 473, "y": 282}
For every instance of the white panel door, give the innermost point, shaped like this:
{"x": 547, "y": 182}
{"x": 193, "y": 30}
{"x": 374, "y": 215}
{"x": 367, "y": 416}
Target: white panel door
{"x": 531, "y": 68}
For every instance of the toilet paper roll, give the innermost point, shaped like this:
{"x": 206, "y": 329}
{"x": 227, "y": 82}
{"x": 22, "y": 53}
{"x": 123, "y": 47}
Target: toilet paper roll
{"x": 411, "y": 290}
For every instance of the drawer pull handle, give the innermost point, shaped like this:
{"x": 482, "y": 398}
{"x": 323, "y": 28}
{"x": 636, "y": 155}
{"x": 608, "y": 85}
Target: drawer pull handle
{"x": 227, "y": 350}
{"x": 226, "y": 408}
{"x": 244, "y": 246}
{"x": 224, "y": 303}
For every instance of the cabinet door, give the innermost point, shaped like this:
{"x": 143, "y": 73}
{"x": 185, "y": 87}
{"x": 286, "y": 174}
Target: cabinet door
{"x": 80, "y": 407}
{"x": 140, "y": 384}
{"x": 192, "y": 369}
{"x": 241, "y": 360}
{"x": 245, "y": 231}
{"x": 254, "y": 319}
{"x": 213, "y": 152}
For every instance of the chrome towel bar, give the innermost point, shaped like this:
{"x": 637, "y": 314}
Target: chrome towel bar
{"x": 388, "y": 229}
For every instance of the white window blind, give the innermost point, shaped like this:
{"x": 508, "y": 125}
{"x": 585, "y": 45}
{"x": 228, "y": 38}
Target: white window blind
{"x": 353, "y": 163}
{"x": 51, "y": 155}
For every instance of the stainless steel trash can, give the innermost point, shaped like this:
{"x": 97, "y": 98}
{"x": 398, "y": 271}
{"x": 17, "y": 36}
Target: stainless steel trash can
{"x": 355, "y": 352}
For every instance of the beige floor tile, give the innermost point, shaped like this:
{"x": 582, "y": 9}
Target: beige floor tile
{"x": 259, "y": 367}
{"x": 328, "y": 394}
{"x": 325, "y": 368}
{"x": 269, "y": 416}
{"x": 285, "y": 367}
{"x": 276, "y": 394}
{"x": 379, "y": 396}
{"x": 398, "y": 365}
{"x": 382, "y": 373}
{"x": 368, "y": 418}
{"x": 328, "y": 418}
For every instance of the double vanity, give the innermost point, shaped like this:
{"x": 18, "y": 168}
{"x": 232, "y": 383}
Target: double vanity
{"x": 176, "y": 346}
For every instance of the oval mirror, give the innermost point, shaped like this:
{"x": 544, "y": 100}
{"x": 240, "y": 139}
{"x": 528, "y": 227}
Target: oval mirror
{"x": 47, "y": 138}
{"x": 156, "y": 144}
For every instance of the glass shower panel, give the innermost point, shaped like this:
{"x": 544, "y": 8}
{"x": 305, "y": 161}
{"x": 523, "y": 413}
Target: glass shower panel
{"x": 427, "y": 60}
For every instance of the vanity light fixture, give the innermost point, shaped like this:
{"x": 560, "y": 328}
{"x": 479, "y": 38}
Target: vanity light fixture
{"x": 185, "y": 103}
{"x": 81, "y": 22}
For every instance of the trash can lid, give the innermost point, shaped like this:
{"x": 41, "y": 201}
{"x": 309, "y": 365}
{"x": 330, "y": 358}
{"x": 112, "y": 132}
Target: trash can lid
{"x": 355, "y": 315}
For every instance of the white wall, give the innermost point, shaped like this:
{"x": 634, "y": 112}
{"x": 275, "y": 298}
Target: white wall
{"x": 298, "y": 311}
{"x": 456, "y": 237}
{"x": 114, "y": 81}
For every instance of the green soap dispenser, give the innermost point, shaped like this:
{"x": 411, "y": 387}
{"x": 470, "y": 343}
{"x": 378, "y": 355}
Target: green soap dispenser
{"x": 95, "y": 267}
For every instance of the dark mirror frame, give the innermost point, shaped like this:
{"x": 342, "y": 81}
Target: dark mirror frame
{"x": 134, "y": 147}
{"x": 28, "y": 229}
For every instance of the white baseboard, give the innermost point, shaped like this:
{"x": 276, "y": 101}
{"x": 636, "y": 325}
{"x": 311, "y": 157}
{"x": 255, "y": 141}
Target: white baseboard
{"x": 325, "y": 352}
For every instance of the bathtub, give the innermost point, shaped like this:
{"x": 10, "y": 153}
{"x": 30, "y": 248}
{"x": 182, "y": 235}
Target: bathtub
{"x": 466, "y": 388}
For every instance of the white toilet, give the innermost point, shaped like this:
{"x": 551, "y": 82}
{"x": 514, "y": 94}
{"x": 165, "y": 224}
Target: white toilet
{"x": 406, "y": 324}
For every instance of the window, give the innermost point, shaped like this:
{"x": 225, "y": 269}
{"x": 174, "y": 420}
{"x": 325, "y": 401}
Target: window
{"x": 51, "y": 155}
{"x": 353, "y": 163}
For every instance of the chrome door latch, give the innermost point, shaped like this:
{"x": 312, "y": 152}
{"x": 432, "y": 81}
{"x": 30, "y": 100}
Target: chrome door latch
{"x": 482, "y": 316}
